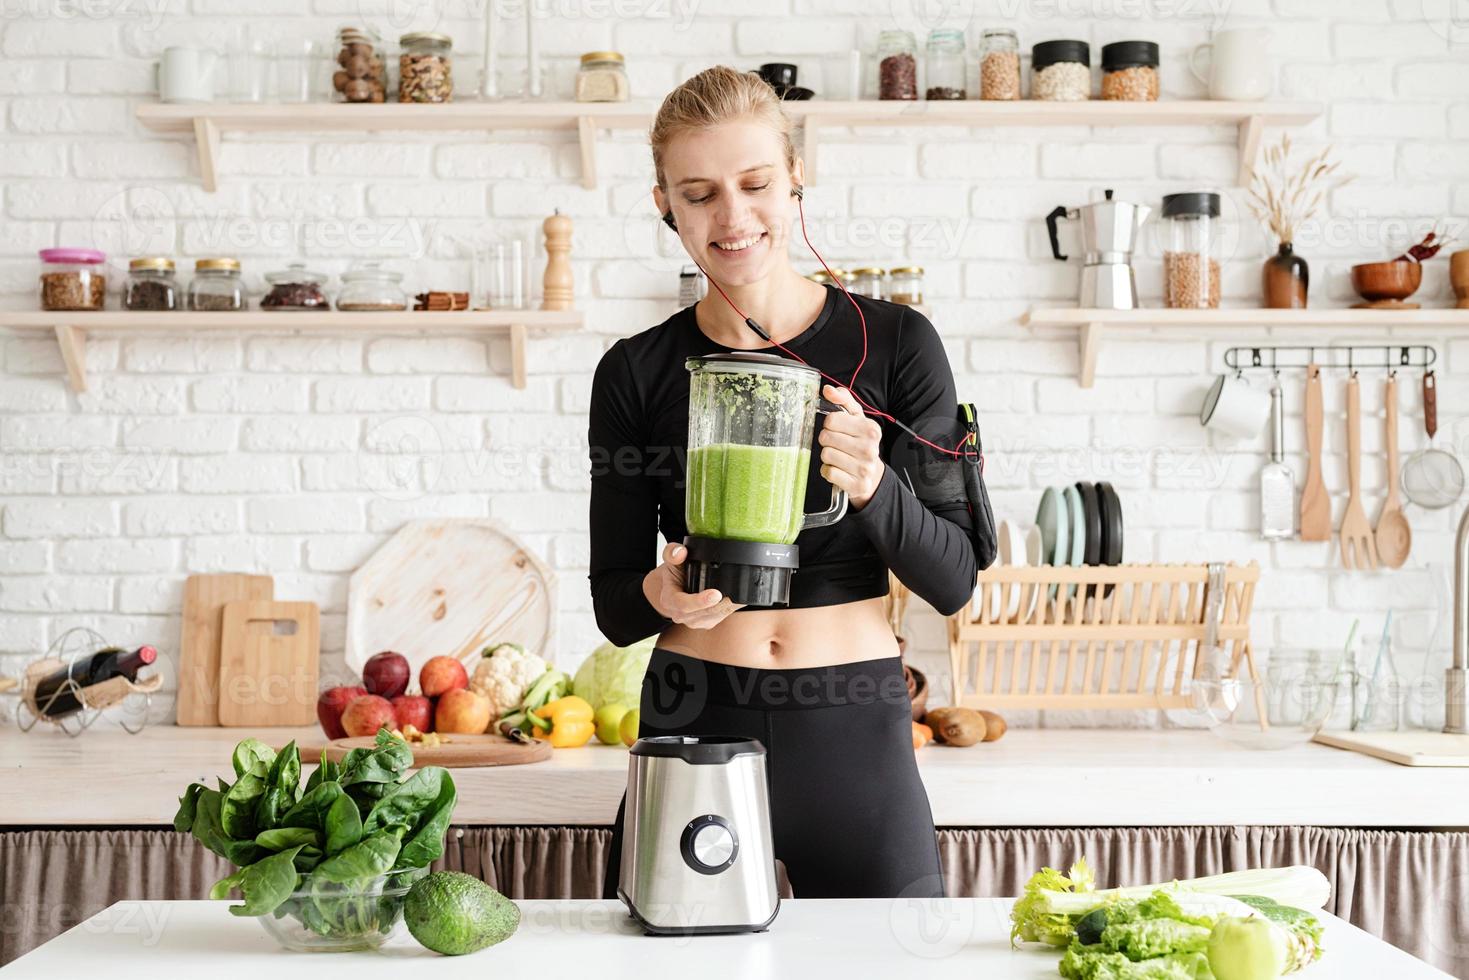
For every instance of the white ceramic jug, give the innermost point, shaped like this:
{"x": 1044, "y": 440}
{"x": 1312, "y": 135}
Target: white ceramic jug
{"x": 186, "y": 75}
{"x": 1239, "y": 64}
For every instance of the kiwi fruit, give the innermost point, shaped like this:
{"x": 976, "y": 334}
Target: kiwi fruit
{"x": 956, "y": 726}
{"x": 994, "y": 726}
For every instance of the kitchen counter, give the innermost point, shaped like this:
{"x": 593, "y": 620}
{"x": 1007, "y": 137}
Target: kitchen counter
{"x": 1031, "y": 778}
{"x": 810, "y": 939}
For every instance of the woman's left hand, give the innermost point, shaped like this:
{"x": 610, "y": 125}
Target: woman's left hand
{"x": 849, "y": 448}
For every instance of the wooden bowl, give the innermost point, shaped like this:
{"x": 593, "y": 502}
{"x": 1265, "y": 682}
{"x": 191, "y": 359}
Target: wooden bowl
{"x": 1376, "y": 281}
{"x": 1459, "y": 276}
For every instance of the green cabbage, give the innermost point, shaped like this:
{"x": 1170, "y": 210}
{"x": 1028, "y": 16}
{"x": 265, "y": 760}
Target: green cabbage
{"x": 613, "y": 674}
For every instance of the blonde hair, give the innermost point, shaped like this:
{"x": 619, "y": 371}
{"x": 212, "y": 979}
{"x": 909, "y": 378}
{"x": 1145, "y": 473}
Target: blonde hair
{"x": 713, "y": 96}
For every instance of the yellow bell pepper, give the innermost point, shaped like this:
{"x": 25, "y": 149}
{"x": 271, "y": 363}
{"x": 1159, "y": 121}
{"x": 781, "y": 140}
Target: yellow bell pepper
{"x": 566, "y": 721}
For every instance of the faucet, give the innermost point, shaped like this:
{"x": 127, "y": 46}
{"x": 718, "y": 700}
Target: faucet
{"x": 1456, "y": 678}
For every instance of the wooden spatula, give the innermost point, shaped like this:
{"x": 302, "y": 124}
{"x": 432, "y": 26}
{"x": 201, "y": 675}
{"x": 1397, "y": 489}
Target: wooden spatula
{"x": 1394, "y": 535}
{"x": 1315, "y": 504}
{"x": 1358, "y": 549}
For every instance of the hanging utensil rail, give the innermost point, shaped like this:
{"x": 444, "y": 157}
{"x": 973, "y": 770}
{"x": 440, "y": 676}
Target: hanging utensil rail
{"x": 1349, "y": 357}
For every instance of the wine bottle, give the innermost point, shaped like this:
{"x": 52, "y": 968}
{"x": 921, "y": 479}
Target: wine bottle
{"x": 56, "y": 693}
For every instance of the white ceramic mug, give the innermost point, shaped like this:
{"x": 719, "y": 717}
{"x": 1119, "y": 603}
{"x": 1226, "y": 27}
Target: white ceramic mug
{"x": 1234, "y": 408}
{"x": 1239, "y": 64}
{"x": 186, "y": 75}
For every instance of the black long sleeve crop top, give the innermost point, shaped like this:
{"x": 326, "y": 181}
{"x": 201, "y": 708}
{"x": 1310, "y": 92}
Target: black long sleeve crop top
{"x": 638, "y": 436}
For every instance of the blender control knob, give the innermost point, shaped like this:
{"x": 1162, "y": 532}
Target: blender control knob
{"x": 709, "y": 844}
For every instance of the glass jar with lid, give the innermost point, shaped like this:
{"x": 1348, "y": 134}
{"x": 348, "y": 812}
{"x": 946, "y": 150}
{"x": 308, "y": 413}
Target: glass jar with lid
{"x": 1190, "y": 262}
{"x": 897, "y": 65}
{"x": 151, "y": 285}
{"x": 944, "y": 63}
{"x": 602, "y": 77}
{"x": 905, "y": 284}
{"x": 216, "y": 285}
{"x": 73, "y": 279}
{"x": 866, "y": 281}
{"x": 999, "y": 65}
{"x": 1061, "y": 71}
{"x": 821, "y": 277}
{"x": 361, "y": 74}
{"x": 425, "y": 67}
{"x": 368, "y": 287}
{"x": 295, "y": 288}
{"x": 1130, "y": 71}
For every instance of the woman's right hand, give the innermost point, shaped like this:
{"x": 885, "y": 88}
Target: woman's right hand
{"x": 664, "y": 588}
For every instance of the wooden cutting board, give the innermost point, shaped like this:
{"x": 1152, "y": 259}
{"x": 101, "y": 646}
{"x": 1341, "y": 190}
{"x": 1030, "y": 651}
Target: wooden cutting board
{"x": 1418, "y": 748}
{"x": 449, "y": 587}
{"x": 204, "y": 599}
{"x": 268, "y": 676}
{"x": 456, "y": 752}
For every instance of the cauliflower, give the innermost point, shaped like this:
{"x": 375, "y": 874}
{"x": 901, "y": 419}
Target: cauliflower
{"x": 504, "y": 674}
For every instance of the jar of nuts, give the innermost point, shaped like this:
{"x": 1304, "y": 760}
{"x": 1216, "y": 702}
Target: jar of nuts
{"x": 1190, "y": 263}
{"x": 1061, "y": 71}
{"x": 73, "y": 279}
{"x": 216, "y": 286}
{"x": 151, "y": 285}
{"x": 945, "y": 65}
{"x": 362, "y": 74}
{"x": 1130, "y": 71}
{"x": 999, "y": 65}
{"x": 897, "y": 65}
{"x": 425, "y": 68}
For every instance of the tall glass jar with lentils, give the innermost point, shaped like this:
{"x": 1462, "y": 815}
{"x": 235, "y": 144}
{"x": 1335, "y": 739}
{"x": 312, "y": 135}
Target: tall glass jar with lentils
{"x": 944, "y": 63}
{"x": 425, "y": 68}
{"x": 999, "y": 65}
{"x": 897, "y": 65}
{"x": 1130, "y": 71}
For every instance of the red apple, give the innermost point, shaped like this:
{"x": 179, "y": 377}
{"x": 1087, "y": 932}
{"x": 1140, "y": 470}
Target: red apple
{"x": 386, "y": 674}
{"x": 463, "y": 711}
{"x": 331, "y": 704}
{"x": 441, "y": 674}
{"x": 415, "y": 710}
{"x": 366, "y": 714}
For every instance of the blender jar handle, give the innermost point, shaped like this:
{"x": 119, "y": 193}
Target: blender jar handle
{"x": 838, "y": 508}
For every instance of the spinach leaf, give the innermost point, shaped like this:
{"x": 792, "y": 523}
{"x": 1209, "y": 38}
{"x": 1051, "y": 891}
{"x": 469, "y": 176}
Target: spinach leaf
{"x": 285, "y": 772}
{"x": 251, "y": 751}
{"x": 183, "y": 820}
{"x": 283, "y": 837}
{"x": 308, "y": 858}
{"x": 368, "y": 858}
{"x": 265, "y": 884}
{"x": 209, "y": 831}
{"x": 384, "y": 764}
{"x": 312, "y": 809}
{"x": 237, "y": 809}
{"x": 326, "y": 772}
{"x": 422, "y": 806}
{"x": 343, "y": 825}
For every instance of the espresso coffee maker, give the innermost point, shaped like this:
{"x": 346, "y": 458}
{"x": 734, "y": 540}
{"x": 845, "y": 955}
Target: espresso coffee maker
{"x": 1109, "y": 233}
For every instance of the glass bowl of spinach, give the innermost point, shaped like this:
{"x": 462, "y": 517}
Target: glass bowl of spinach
{"x": 324, "y": 866}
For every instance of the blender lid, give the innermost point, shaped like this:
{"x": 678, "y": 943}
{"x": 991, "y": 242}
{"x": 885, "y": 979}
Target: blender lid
{"x": 698, "y": 750}
{"x": 753, "y": 358}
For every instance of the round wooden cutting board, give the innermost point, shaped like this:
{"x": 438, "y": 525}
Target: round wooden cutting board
{"x": 454, "y": 752}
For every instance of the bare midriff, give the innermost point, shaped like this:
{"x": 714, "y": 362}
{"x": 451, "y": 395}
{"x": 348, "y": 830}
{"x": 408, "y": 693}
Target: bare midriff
{"x": 817, "y": 636}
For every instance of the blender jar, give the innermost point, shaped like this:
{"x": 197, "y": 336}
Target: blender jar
{"x": 1190, "y": 268}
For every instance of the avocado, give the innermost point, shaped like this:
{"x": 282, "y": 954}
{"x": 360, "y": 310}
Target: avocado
{"x": 453, "y": 913}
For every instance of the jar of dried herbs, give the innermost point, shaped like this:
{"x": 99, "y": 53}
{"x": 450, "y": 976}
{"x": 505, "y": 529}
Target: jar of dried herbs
{"x": 151, "y": 285}
{"x": 216, "y": 286}
{"x": 73, "y": 279}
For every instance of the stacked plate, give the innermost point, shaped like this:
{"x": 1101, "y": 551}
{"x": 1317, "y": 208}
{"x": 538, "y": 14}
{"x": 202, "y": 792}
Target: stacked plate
{"x": 1080, "y": 524}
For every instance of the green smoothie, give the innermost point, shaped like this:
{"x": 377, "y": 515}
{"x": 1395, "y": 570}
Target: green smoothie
{"x": 747, "y": 493}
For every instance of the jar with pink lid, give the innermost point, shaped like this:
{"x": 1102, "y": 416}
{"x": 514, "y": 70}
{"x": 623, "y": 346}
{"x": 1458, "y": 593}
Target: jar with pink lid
{"x": 73, "y": 279}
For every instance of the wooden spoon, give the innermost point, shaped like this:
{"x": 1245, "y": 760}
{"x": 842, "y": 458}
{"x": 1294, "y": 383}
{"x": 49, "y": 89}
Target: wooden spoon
{"x": 1357, "y": 546}
{"x": 1315, "y": 504}
{"x": 1394, "y": 536}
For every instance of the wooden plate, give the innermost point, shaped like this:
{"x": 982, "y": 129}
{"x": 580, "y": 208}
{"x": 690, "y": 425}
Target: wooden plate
{"x": 455, "y": 752}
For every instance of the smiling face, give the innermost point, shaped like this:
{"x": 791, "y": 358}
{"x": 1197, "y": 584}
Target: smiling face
{"x": 729, "y": 188}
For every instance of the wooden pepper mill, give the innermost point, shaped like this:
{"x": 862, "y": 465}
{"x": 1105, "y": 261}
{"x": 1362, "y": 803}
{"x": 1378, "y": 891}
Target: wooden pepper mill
{"x": 556, "y": 287}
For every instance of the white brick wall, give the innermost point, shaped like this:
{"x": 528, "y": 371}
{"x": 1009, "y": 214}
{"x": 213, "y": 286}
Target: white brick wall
{"x": 299, "y": 454}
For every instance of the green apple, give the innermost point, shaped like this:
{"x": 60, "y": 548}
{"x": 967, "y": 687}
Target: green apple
{"x": 609, "y": 721}
{"x": 630, "y": 726}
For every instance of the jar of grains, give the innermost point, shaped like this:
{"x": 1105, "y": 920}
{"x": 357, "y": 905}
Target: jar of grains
{"x": 1190, "y": 268}
{"x": 945, "y": 65}
{"x": 999, "y": 65}
{"x": 368, "y": 287}
{"x": 73, "y": 279}
{"x": 905, "y": 284}
{"x": 151, "y": 285}
{"x": 602, "y": 77}
{"x": 1060, "y": 71}
{"x": 425, "y": 68}
{"x": 897, "y": 65}
{"x": 216, "y": 286}
{"x": 361, "y": 74}
{"x": 866, "y": 281}
{"x": 1130, "y": 71}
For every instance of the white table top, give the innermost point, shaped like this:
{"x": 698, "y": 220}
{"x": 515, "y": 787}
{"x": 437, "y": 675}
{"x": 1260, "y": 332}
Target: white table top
{"x": 810, "y": 939}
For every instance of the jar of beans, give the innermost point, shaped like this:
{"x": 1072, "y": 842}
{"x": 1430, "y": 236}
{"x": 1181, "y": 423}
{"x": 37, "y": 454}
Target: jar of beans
{"x": 425, "y": 68}
{"x": 151, "y": 285}
{"x": 1130, "y": 71}
{"x": 216, "y": 286}
{"x": 999, "y": 65}
{"x": 73, "y": 279}
{"x": 897, "y": 65}
{"x": 866, "y": 281}
{"x": 905, "y": 285}
{"x": 1190, "y": 263}
{"x": 295, "y": 288}
{"x": 945, "y": 65}
{"x": 1061, "y": 71}
{"x": 362, "y": 74}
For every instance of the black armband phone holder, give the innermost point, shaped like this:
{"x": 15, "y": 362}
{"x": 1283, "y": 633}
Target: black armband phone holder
{"x": 946, "y": 481}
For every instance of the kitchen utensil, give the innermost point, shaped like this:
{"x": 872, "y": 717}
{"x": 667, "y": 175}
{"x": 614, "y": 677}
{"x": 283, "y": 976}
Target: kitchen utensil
{"x": 1234, "y": 408}
{"x": 1459, "y": 277}
{"x": 268, "y": 663}
{"x": 204, "y": 599}
{"x": 185, "y": 74}
{"x": 1432, "y": 478}
{"x": 1109, "y": 231}
{"x": 1413, "y": 748}
{"x": 450, "y": 587}
{"x": 697, "y": 851}
{"x": 1111, "y": 508}
{"x": 454, "y": 751}
{"x": 1277, "y": 483}
{"x": 1315, "y": 504}
{"x": 1394, "y": 536}
{"x": 1239, "y": 64}
{"x": 1358, "y": 549}
{"x": 557, "y": 282}
{"x": 1391, "y": 281}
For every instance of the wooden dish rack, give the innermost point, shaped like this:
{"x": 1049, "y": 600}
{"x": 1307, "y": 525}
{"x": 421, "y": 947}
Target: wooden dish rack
{"x": 1098, "y": 637}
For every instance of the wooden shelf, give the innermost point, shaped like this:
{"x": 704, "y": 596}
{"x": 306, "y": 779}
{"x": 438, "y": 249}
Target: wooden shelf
{"x": 1092, "y": 323}
{"x": 71, "y": 329}
{"x": 208, "y": 120}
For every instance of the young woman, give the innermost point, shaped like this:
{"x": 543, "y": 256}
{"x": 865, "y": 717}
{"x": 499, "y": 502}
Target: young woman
{"x": 818, "y": 682}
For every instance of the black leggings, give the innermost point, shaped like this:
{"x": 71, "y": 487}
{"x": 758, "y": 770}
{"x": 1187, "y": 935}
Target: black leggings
{"x": 848, "y": 812}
